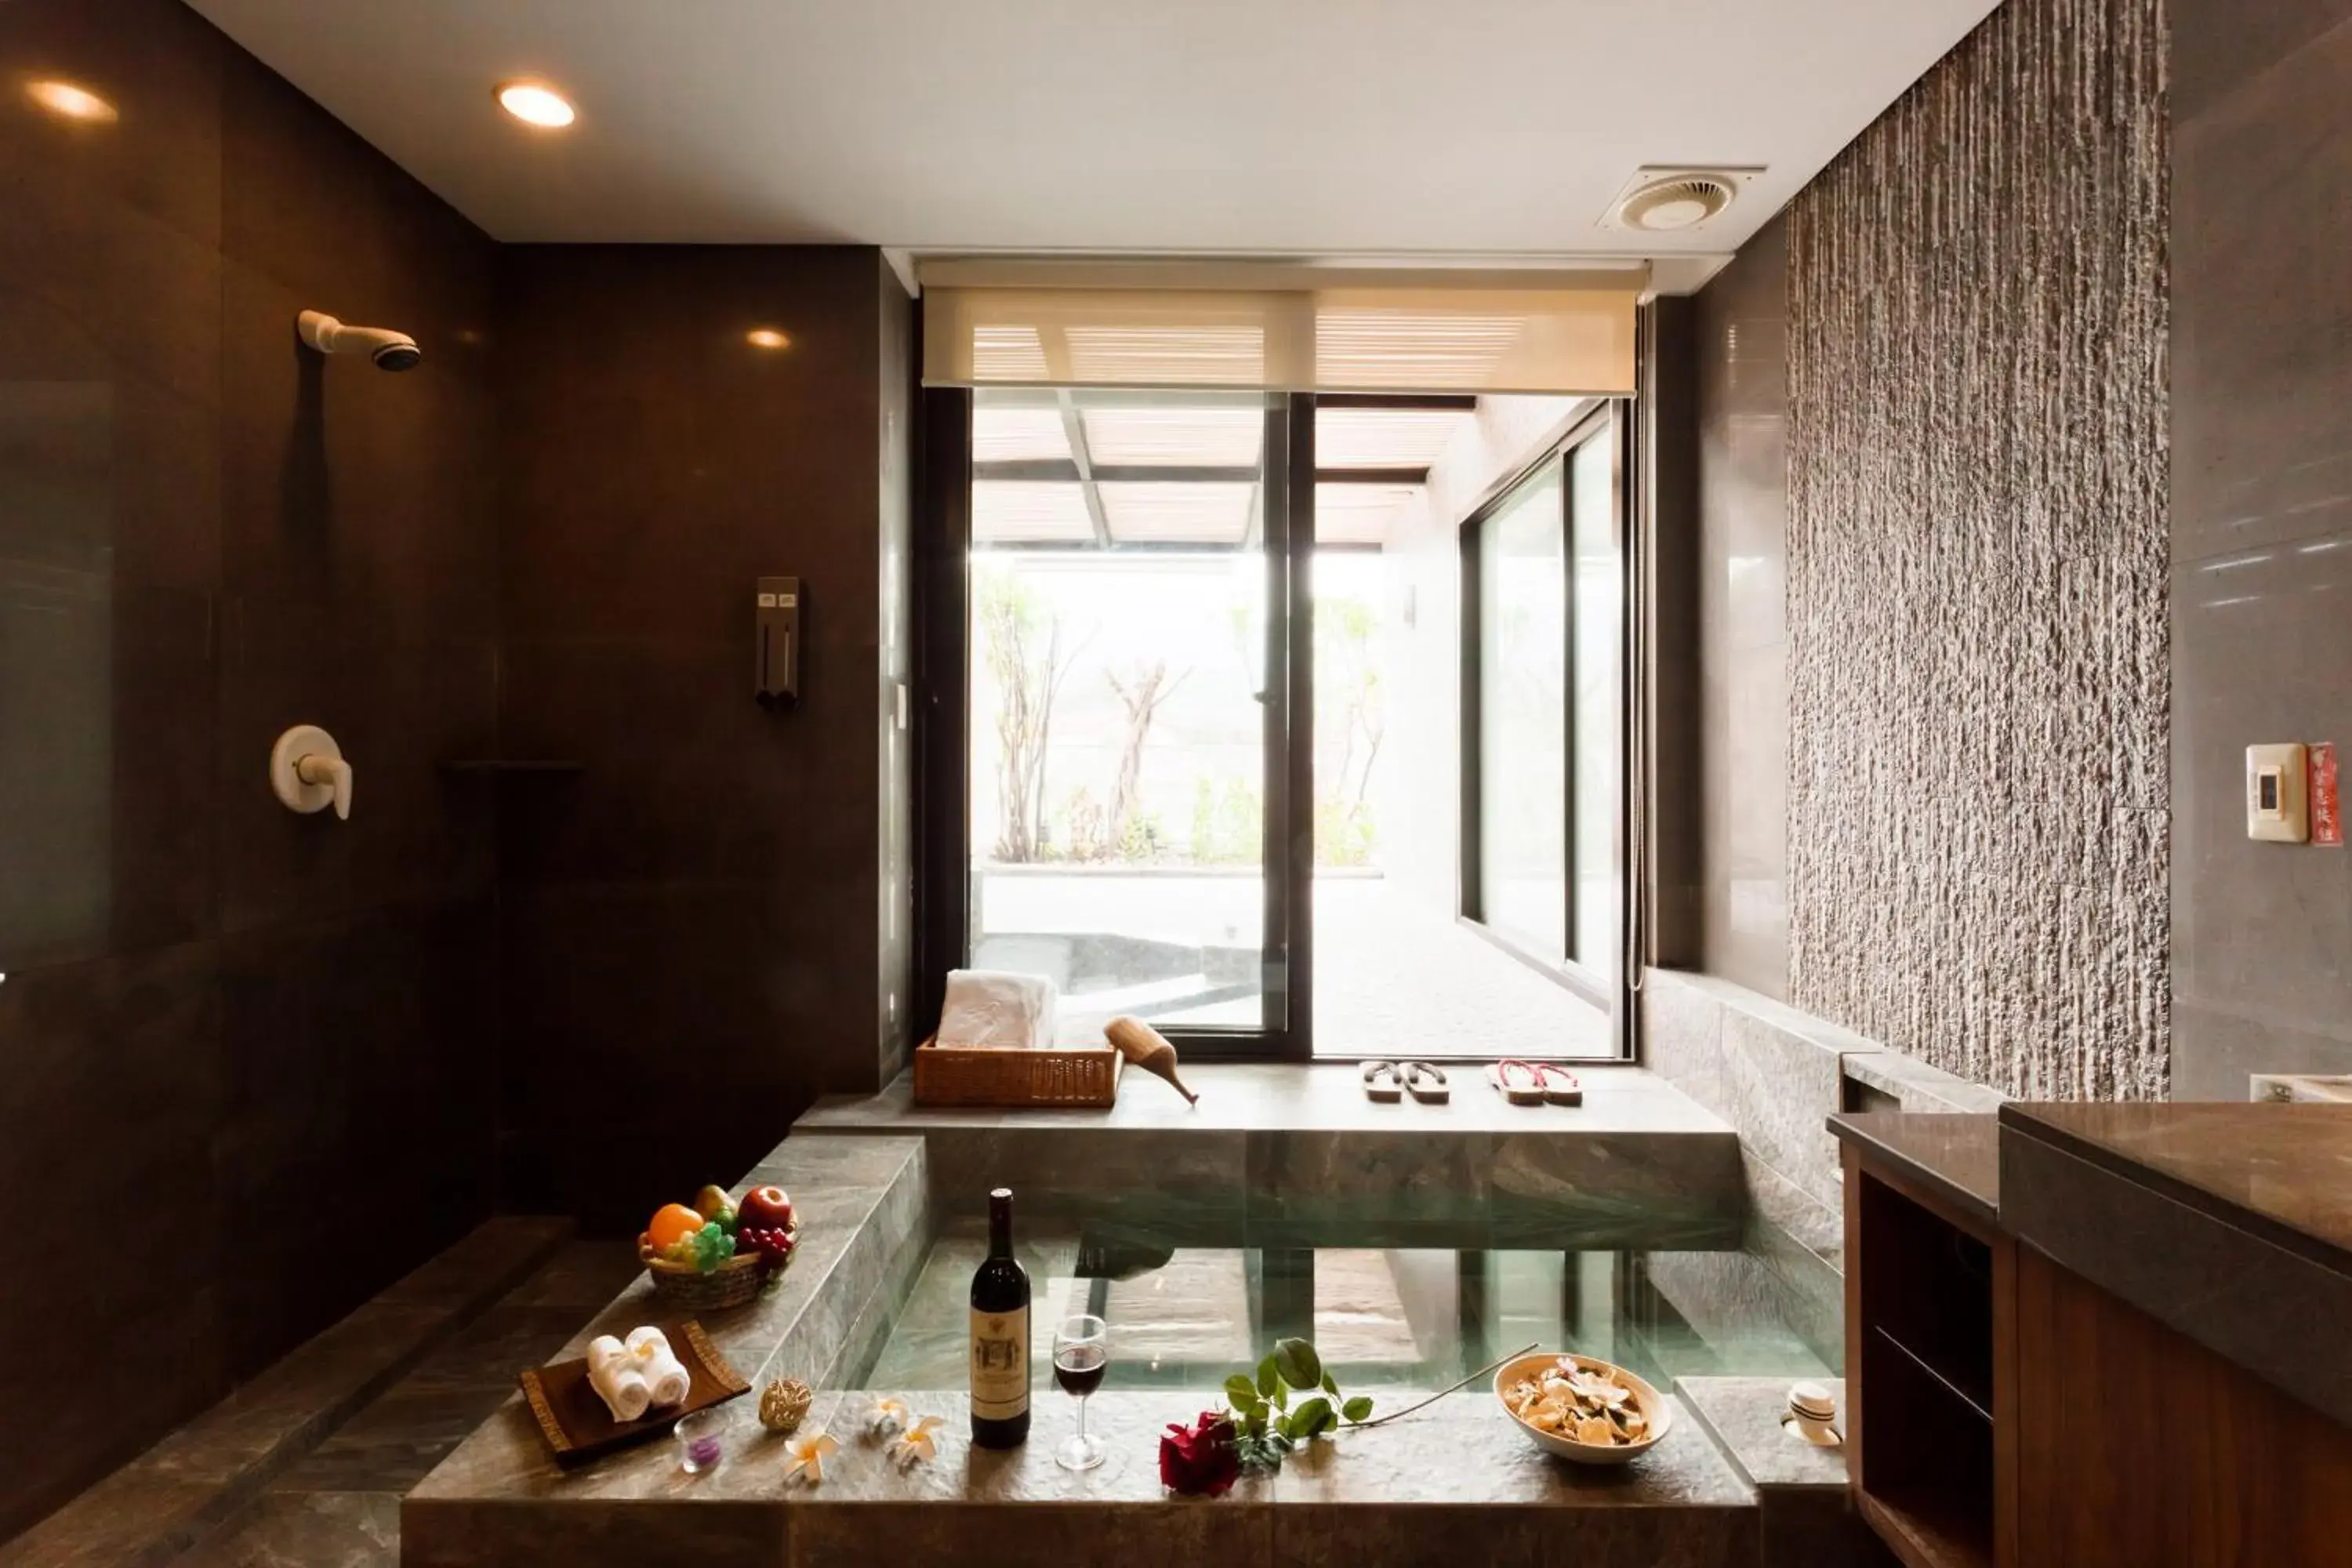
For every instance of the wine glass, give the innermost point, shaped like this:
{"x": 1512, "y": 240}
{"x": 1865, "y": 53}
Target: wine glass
{"x": 1081, "y": 1355}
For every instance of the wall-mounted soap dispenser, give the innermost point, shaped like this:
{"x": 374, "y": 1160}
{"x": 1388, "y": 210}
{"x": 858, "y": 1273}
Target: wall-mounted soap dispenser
{"x": 776, "y": 638}
{"x": 308, "y": 773}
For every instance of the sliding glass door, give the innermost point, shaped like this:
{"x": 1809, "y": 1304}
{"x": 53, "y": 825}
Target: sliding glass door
{"x": 1544, "y": 703}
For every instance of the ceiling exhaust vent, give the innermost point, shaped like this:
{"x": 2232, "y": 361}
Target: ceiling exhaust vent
{"x": 1673, "y": 201}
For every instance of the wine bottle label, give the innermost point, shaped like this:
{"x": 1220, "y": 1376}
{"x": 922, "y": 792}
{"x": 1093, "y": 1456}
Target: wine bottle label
{"x": 1000, "y": 1365}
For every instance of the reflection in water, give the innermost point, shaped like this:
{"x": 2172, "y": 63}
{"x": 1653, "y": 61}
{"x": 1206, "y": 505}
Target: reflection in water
{"x": 1395, "y": 1318}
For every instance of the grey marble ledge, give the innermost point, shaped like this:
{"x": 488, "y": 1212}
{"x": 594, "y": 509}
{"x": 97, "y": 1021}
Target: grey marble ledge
{"x": 1744, "y": 1415}
{"x": 1463, "y": 1449}
{"x": 1260, "y": 1096}
{"x": 1919, "y": 1086}
{"x": 858, "y": 1200}
{"x": 1456, "y": 1478}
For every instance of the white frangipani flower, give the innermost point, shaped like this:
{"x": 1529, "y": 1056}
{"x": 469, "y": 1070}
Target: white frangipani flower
{"x": 916, "y": 1442}
{"x": 805, "y": 1455}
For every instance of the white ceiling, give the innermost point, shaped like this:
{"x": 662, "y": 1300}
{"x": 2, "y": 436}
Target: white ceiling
{"x": 1495, "y": 128}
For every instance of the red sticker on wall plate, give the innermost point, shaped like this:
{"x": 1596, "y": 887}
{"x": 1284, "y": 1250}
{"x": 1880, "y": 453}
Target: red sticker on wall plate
{"x": 2326, "y": 806}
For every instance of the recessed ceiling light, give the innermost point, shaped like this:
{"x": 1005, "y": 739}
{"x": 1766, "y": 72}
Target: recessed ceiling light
{"x": 535, "y": 104}
{"x": 73, "y": 102}
{"x": 767, "y": 338}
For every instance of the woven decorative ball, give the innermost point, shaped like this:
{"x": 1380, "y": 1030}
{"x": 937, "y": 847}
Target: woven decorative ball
{"x": 783, "y": 1403}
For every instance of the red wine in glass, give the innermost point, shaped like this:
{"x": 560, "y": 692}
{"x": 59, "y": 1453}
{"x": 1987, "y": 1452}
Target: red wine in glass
{"x": 1079, "y": 1368}
{"x": 1081, "y": 1355}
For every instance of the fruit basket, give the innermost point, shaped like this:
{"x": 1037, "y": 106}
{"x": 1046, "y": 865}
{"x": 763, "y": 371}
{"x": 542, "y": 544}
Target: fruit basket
{"x": 731, "y": 1284}
{"x": 709, "y": 1257}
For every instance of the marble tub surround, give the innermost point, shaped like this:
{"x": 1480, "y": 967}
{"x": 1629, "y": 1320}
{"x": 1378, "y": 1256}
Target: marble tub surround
{"x": 1455, "y": 1480}
{"x": 1275, "y": 1152}
{"x": 1913, "y": 1085}
{"x": 156, "y": 1508}
{"x": 1773, "y": 1075}
{"x": 2229, "y": 1224}
{"x": 1771, "y": 1072}
{"x": 860, "y": 1202}
{"x": 1285, "y": 1096}
{"x": 1280, "y": 1157}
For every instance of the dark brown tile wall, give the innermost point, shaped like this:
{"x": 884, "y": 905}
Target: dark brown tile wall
{"x": 2261, "y": 527}
{"x": 700, "y": 906}
{"x": 1743, "y": 523}
{"x": 241, "y": 1052}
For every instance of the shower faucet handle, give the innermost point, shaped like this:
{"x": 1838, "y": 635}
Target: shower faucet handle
{"x": 332, "y": 772}
{"x": 308, "y": 773}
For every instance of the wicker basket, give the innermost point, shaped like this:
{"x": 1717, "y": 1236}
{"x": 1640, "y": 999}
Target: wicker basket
{"x": 952, "y": 1075}
{"x": 730, "y": 1284}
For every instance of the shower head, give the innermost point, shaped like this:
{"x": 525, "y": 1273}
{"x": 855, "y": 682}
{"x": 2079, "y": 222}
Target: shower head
{"x": 389, "y": 350}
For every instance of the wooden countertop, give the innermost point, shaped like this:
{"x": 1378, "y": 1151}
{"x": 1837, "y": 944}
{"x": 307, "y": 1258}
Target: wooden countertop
{"x": 1956, "y": 1155}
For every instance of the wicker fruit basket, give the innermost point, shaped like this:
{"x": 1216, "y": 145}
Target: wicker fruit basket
{"x": 730, "y": 1284}
{"x": 954, "y": 1075}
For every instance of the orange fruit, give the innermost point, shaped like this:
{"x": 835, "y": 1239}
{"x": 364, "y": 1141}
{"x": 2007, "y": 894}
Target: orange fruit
{"x": 670, "y": 1222}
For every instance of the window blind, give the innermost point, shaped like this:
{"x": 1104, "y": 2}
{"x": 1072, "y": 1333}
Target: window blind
{"x": 1343, "y": 336}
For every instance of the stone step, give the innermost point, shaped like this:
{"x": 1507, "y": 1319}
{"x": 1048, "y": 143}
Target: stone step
{"x": 160, "y": 1504}
{"x": 1804, "y": 1517}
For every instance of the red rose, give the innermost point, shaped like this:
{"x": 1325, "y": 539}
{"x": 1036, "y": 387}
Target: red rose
{"x": 1199, "y": 1460}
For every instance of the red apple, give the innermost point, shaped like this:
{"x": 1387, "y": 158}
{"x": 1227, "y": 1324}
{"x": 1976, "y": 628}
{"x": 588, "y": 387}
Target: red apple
{"x": 765, "y": 1208}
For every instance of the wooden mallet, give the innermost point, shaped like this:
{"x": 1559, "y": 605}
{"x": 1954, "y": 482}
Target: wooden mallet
{"x": 1148, "y": 1049}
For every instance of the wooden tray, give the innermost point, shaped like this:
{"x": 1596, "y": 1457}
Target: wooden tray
{"x": 952, "y": 1075}
{"x": 577, "y": 1425}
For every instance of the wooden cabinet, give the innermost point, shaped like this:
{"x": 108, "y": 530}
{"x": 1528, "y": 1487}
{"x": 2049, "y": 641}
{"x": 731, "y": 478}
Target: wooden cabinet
{"x": 1931, "y": 1417}
{"x": 2141, "y": 1449}
{"x": 2005, "y": 1413}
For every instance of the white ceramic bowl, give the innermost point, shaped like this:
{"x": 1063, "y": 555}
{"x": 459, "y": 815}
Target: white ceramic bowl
{"x": 1656, "y": 1407}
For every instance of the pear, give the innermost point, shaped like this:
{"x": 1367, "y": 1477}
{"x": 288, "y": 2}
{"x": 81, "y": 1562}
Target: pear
{"x": 712, "y": 1202}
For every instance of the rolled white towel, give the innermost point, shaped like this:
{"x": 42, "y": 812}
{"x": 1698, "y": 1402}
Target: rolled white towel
{"x": 618, "y": 1378}
{"x": 997, "y": 1007}
{"x": 667, "y": 1382}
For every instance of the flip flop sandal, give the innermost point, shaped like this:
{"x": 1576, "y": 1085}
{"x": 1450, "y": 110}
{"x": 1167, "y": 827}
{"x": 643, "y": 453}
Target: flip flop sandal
{"x": 1426, "y": 1084}
{"x": 1386, "y": 1092}
{"x": 1527, "y": 1093}
{"x": 1559, "y": 1085}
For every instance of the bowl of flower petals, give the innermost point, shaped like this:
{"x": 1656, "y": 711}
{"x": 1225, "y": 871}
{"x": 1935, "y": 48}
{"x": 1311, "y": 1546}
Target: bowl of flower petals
{"x": 1585, "y": 1410}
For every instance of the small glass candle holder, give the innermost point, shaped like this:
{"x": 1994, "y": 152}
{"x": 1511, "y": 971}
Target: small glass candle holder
{"x": 698, "y": 1440}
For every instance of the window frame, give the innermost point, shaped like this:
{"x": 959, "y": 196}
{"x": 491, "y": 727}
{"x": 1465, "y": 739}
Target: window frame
{"x": 942, "y": 576}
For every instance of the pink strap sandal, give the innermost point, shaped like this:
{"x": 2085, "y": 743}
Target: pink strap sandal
{"x": 1559, "y": 1085}
{"x": 1516, "y": 1081}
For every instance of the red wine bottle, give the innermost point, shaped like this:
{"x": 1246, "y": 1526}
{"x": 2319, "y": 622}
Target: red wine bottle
{"x": 1000, "y": 1336}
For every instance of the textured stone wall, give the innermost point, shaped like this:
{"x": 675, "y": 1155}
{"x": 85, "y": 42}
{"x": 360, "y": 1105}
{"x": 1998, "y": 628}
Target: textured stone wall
{"x": 1976, "y": 563}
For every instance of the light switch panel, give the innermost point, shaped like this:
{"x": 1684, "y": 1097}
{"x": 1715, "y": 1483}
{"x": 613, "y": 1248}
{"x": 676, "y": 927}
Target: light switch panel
{"x": 2276, "y": 807}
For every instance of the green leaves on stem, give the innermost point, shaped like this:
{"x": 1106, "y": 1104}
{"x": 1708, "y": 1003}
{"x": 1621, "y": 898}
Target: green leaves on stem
{"x": 1267, "y": 1426}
